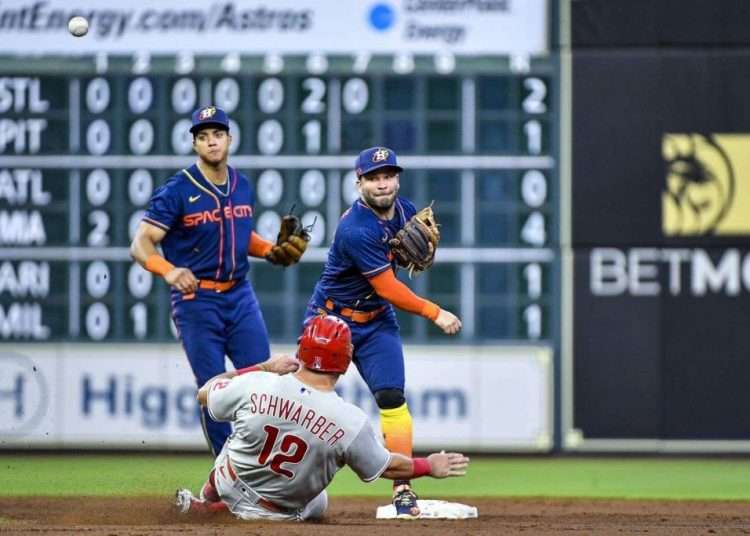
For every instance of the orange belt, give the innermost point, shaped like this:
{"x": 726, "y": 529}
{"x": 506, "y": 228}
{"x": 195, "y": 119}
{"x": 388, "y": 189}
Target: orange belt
{"x": 268, "y": 505}
{"x": 360, "y": 317}
{"x": 218, "y": 286}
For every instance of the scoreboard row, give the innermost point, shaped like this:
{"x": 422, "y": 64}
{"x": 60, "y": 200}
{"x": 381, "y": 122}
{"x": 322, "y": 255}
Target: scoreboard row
{"x": 293, "y": 115}
{"x": 102, "y": 207}
{"x": 80, "y": 156}
{"x": 105, "y": 300}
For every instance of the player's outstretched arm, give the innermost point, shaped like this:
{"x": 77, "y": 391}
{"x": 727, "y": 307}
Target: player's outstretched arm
{"x": 143, "y": 251}
{"x": 389, "y": 288}
{"x": 436, "y": 465}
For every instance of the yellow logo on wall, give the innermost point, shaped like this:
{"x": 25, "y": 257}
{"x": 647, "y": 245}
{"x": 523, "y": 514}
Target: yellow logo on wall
{"x": 707, "y": 190}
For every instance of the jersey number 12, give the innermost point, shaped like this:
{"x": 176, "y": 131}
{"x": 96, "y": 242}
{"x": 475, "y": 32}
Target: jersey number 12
{"x": 293, "y": 449}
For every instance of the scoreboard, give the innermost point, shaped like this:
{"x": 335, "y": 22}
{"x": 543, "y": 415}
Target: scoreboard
{"x": 85, "y": 140}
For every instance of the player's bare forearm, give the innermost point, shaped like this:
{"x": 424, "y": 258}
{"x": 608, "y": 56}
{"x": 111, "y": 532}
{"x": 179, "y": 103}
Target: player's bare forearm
{"x": 400, "y": 468}
{"x": 143, "y": 250}
{"x": 440, "y": 465}
{"x": 144, "y": 243}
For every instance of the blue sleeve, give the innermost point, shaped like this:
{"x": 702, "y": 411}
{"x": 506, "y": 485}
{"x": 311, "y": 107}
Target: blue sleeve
{"x": 409, "y": 209}
{"x": 367, "y": 250}
{"x": 165, "y": 206}
{"x": 251, "y": 200}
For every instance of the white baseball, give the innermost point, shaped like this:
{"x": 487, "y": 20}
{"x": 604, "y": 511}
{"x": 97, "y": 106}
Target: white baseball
{"x": 78, "y": 26}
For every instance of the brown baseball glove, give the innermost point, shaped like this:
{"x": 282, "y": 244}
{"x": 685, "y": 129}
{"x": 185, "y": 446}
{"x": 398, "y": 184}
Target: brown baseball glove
{"x": 415, "y": 244}
{"x": 291, "y": 242}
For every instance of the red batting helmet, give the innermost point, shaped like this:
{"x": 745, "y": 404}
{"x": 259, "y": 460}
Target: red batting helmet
{"x": 326, "y": 345}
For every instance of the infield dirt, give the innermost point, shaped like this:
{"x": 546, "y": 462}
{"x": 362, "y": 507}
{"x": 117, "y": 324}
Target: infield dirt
{"x": 147, "y": 516}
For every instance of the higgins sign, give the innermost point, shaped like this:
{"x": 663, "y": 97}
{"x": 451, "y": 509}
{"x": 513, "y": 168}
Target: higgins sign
{"x": 476, "y": 398}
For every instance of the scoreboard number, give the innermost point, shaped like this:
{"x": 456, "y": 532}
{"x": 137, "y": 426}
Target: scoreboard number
{"x": 184, "y": 96}
{"x": 270, "y": 95}
{"x": 534, "y": 103}
{"x": 98, "y": 137}
{"x": 314, "y": 102}
{"x": 184, "y": 62}
{"x": 270, "y": 137}
{"x": 355, "y": 95}
{"x": 97, "y": 286}
{"x": 97, "y": 95}
{"x": 140, "y": 95}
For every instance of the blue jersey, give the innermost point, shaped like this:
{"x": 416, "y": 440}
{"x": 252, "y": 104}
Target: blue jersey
{"x": 359, "y": 251}
{"x": 208, "y": 226}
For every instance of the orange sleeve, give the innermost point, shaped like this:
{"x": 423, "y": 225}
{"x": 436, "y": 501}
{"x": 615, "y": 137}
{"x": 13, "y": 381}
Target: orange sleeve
{"x": 391, "y": 289}
{"x": 156, "y": 264}
{"x": 257, "y": 246}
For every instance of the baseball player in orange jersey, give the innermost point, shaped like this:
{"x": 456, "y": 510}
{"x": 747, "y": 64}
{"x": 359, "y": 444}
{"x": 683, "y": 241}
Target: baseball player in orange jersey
{"x": 292, "y": 433}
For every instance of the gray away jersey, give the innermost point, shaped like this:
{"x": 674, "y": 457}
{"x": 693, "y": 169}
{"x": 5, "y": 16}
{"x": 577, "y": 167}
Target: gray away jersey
{"x": 289, "y": 440}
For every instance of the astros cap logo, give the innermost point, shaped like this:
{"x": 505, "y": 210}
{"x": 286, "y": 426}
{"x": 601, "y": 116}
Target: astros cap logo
{"x": 207, "y": 112}
{"x": 380, "y": 155}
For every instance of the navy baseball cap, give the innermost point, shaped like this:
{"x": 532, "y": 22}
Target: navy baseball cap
{"x": 375, "y": 158}
{"x": 209, "y": 116}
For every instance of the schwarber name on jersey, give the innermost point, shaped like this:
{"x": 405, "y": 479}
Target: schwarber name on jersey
{"x": 359, "y": 251}
{"x": 290, "y": 440}
{"x": 208, "y": 226}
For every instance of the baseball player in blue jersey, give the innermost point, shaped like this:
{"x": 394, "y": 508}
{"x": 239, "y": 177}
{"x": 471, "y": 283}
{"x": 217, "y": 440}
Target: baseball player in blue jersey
{"x": 359, "y": 285}
{"x": 203, "y": 219}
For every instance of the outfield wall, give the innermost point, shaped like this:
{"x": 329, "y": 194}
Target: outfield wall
{"x": 657, "y": 258}
{"x": 143, "y": 396}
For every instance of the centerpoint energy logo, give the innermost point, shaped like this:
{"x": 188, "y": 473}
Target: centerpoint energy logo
{"x": 382, "y": 16}
{"x": 707, "y": 184}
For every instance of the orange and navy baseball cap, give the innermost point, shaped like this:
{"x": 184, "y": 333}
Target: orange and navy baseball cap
{"x": 375, "y": 158}
{"x": 209, "y": 116}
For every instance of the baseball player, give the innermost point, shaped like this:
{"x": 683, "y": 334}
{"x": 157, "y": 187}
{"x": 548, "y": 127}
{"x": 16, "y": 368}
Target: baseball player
{"x": 293, "y": 433}
{"x": 359, "y": 285}
{"x": 203, "y": 219}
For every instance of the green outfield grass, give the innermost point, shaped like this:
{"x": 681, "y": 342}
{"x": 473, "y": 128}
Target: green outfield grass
{"x": 631, "y": 478}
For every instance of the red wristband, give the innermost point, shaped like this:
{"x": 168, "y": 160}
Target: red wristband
{"x": 422, "y": 467}
{"x": 254, "y": 368}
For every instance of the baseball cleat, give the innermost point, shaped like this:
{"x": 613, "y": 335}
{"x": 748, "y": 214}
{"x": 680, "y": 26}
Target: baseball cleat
{"x": 183, "y": 500}
{"x": 405, "y": 502}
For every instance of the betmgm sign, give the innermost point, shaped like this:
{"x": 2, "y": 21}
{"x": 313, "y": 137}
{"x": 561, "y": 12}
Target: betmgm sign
{"x": 706, "y": 193}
